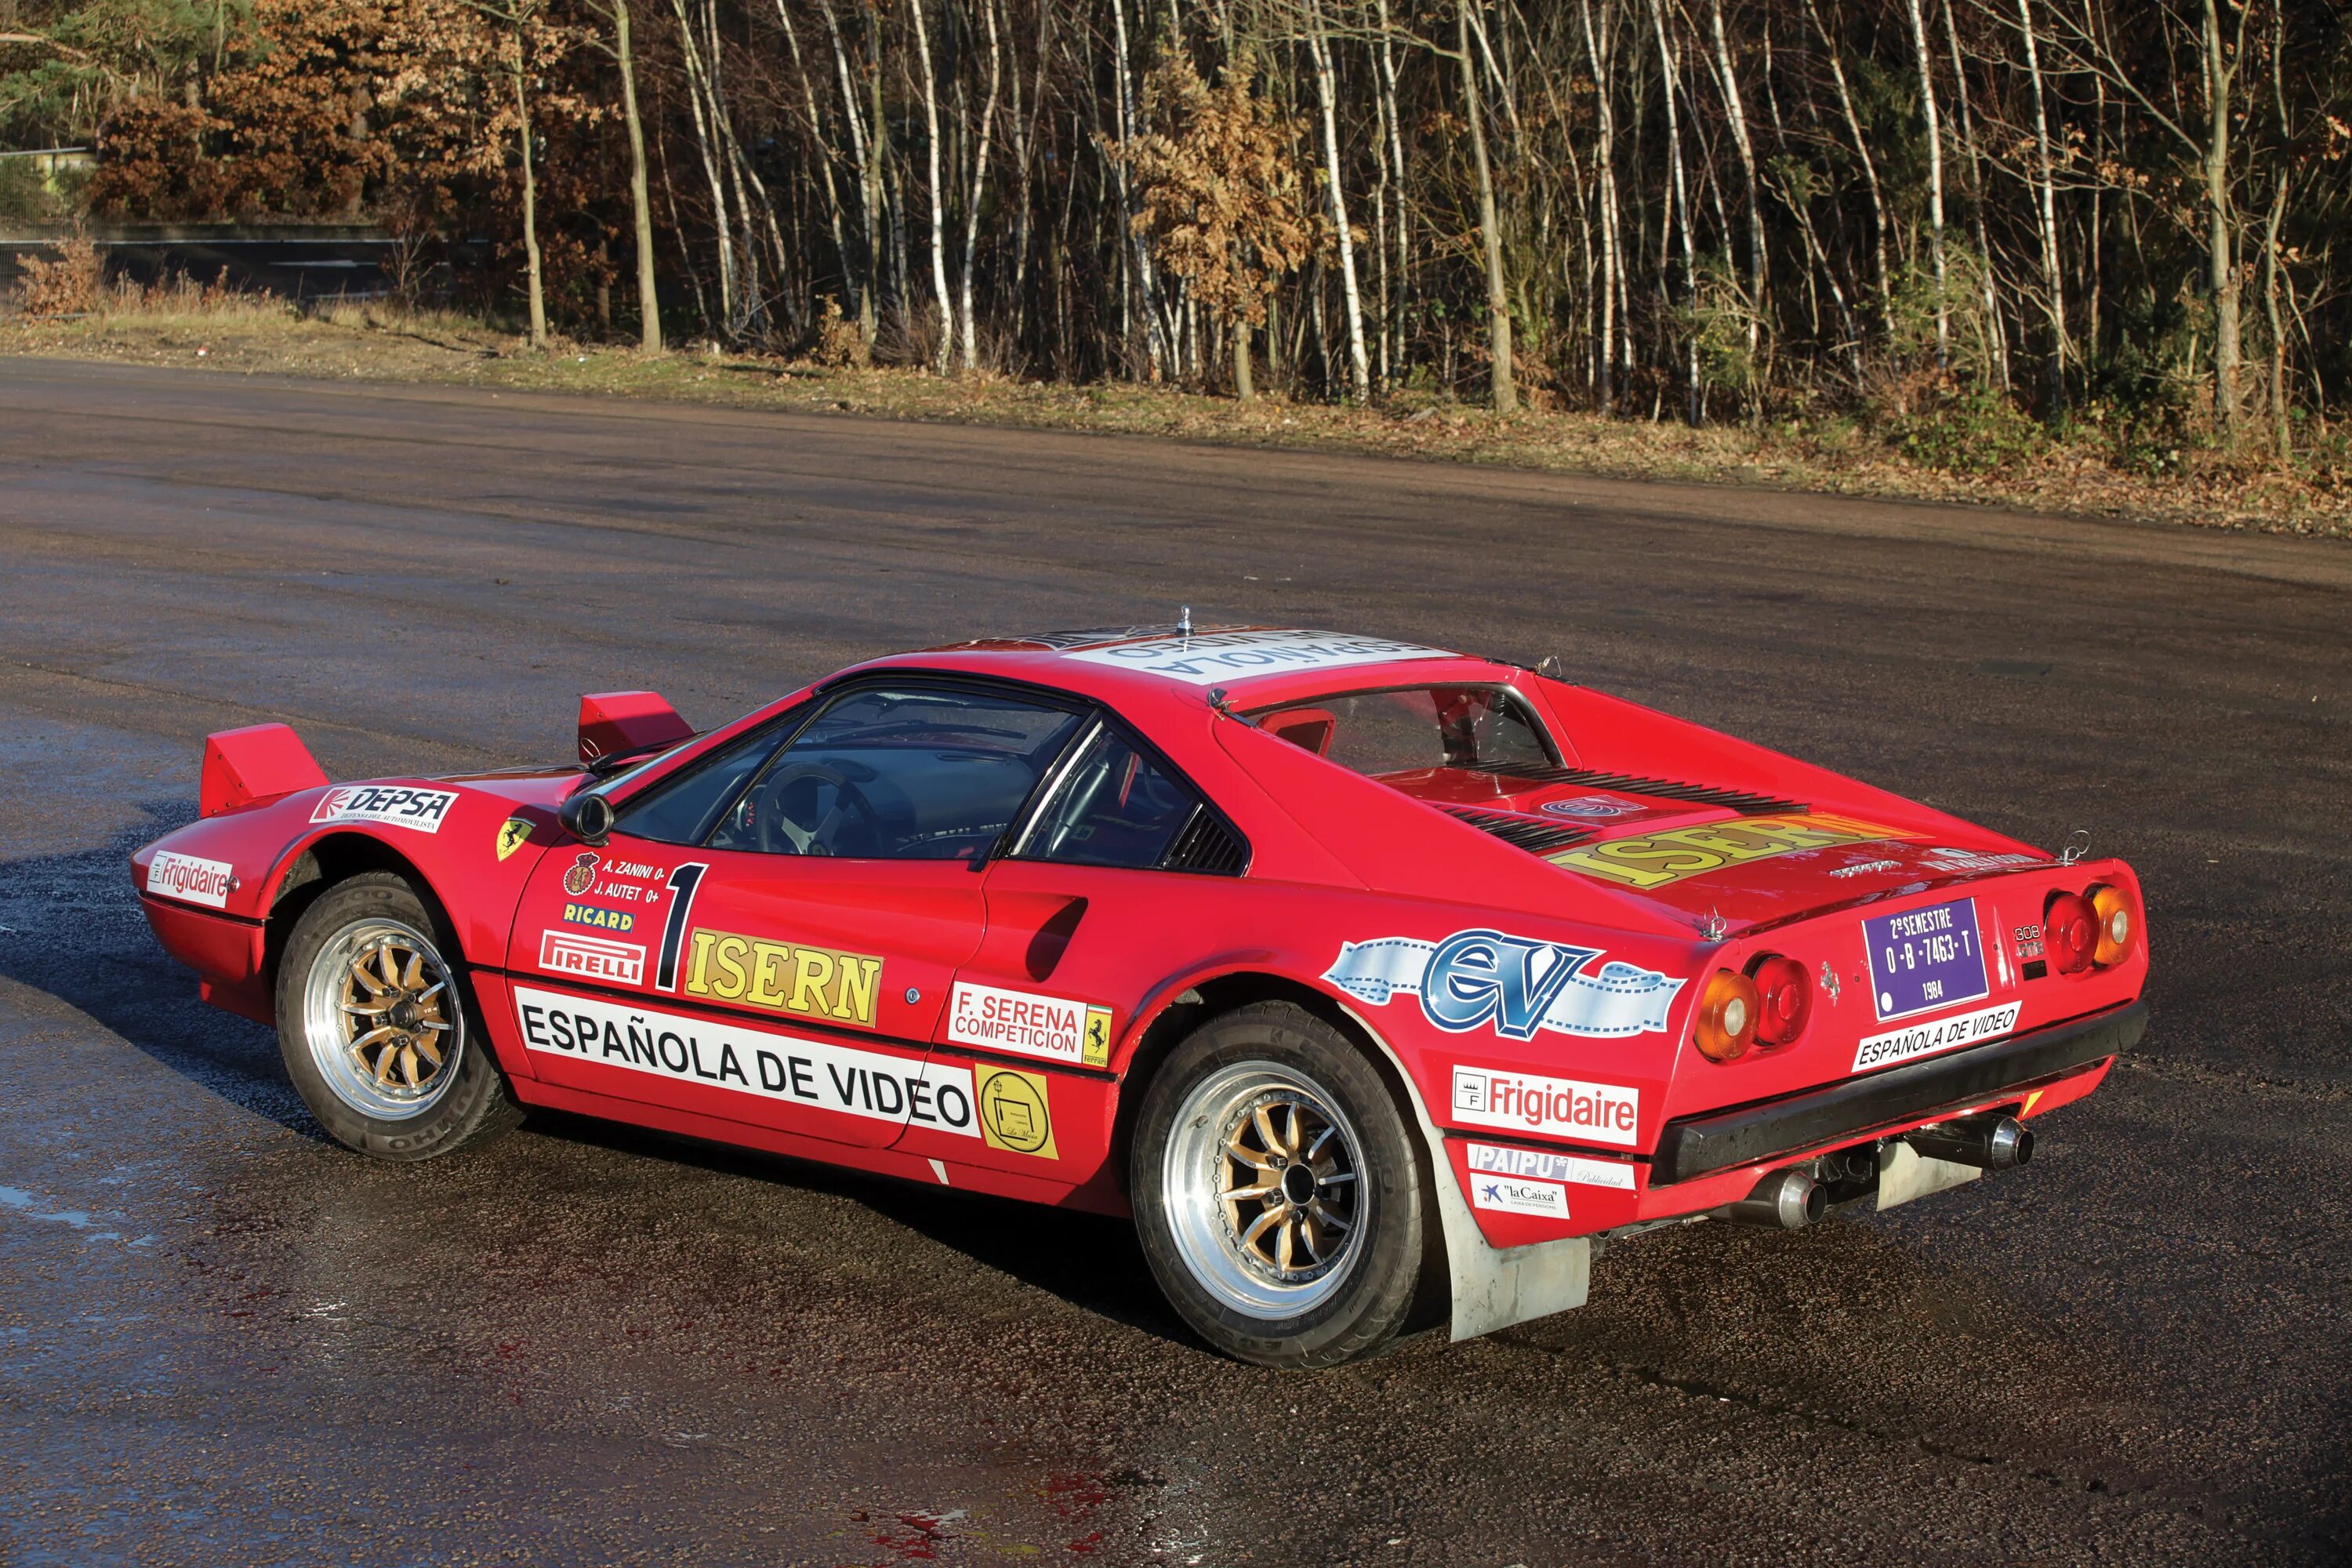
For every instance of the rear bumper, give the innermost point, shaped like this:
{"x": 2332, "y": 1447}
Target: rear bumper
{"x": 1694, "y": 1146}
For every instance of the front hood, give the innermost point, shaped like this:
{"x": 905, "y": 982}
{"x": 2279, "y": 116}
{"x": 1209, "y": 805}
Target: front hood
{"x": 544, "y": 786}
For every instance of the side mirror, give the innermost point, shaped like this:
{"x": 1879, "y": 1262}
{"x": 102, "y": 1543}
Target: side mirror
{"x": 587, "y": 816}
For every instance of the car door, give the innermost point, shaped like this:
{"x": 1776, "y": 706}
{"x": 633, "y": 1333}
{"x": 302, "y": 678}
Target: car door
{"x": 1088, "y": 912}
{"x": 771, "y": 937}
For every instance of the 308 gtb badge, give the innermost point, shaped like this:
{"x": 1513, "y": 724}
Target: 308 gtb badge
{"x": 1342, "y": 964}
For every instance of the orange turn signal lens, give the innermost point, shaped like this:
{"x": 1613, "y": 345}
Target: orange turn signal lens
{"x": 1728, "y": 1011}
{"x": 2113, "y": 912}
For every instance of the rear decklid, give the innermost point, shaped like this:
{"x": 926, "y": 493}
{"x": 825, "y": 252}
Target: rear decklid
{"x": 1707, "y": 852}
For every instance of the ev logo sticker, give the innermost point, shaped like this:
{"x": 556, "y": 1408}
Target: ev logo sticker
{"x": 1512, "y": 984}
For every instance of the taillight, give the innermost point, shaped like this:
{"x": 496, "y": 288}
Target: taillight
{"x": 1784, "y": 999}
{"x": 2070, "y": 932}
{"x": 2113, "y": 911}
{"x": 1728, "y": 1011}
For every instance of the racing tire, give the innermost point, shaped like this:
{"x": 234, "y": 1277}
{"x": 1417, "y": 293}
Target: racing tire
{"x": 1318, "y": 1258}
{"x": 380, "y": 1032}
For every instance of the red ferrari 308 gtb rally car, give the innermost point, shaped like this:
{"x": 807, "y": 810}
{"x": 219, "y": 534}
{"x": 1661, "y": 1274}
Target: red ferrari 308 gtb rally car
{"x": 1378, "y": 982}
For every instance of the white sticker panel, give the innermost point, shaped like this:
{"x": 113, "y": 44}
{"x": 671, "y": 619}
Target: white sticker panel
{"x": 760, "y": 1063}
{"x": 1943, "y": 1034}
{"x": 1543, "y": 1165}
{"x": 1511, "y": 1195}
{"x": 1029, "y": 1024}
{"x": 1214, "y": 658}
{"x": 1565, "y": 1107}
{"x": 172, "y": 875}
{"x": 394, "y": 805}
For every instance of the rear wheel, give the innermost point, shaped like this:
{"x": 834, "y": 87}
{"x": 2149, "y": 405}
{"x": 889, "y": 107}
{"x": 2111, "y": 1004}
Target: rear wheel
{"x": 1279, "y": 1191}
{"x": 377, "y": 1029}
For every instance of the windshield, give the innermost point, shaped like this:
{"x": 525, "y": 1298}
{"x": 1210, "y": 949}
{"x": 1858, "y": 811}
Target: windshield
{"x": 1415, "y": 729}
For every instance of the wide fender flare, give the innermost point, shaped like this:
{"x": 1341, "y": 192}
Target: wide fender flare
{"x": 1491, "y": 1287}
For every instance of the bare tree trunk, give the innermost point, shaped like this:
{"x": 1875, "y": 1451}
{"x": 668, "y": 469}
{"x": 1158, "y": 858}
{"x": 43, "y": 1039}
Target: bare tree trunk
{"x": 1997, "y": 338}
{"x": 1878, "y": 222}
{"x": 823, "y": 149}
{"x": 979, "y": 183}
{"x": 530, "y": 203}
{"x": 1245, "y": 388}
{"x": 1935, "y": 184}
{"x": 1402, "y": 237}
{"x": 2222, "y": 269}
{"x": 705, "y": 142}
{"x": 1600, "y": 50}
{"x": 1670, "y": 76}
{"x": 1137, "y": 254}
{"x": 939, "y": 213}
{"x": 1498, "y": 300}
{"x": 868, "y": 179}
{"x": 1738, "y": 114}
{"x": 2053, "y": 280}
{"x": 649, "y": 334}
{"x": 1319, "y": 46}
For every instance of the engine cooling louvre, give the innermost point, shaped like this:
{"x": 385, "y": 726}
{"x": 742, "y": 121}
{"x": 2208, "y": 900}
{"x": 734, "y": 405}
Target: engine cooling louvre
{"x": 1206, "y": 845}
{"x": 1744, "y": 801}
{"x": 1535, "y": 838}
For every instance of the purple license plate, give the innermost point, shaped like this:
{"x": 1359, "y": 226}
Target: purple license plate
{"x": 1925, "y": 959}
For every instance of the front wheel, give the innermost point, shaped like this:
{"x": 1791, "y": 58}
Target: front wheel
{"x": 376, "y": 1030}
{"x": 1278, "y": 1192}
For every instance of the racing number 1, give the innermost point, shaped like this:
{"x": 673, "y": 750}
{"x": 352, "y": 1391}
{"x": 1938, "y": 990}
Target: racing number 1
{"x": 683, "y": 881}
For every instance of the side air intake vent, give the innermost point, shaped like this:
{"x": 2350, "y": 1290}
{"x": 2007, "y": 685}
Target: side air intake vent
{"x": 1744, "y": 802}
{"x": 1208, "y": 845}
{"x": 1535, "y": 838}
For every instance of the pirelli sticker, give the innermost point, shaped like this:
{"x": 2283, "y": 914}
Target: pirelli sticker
{"x": 1654, "y": 859}
{"x": 782, "y": 978}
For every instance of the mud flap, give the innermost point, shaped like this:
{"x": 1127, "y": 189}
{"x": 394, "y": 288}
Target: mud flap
{"x": 1493, "y": 1287}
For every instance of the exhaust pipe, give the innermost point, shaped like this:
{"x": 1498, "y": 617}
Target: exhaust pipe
{"x": 1785, "y": 1200}
{"x": 1990, "y": 1143}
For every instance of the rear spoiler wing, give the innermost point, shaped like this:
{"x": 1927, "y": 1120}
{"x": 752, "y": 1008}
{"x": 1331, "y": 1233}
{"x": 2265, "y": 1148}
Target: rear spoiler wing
{"x": 260, "y": 762}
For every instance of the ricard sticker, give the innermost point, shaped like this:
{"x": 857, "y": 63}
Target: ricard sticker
{"x": 172, "y": 875}
{"x": 394, "y": 805}
{"x": 1029, "y": 1024}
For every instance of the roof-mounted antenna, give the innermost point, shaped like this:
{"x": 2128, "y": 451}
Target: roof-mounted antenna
{"x": 1184, "y": 622}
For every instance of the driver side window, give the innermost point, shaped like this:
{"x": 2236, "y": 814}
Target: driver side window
{"x": 900, "y": 773}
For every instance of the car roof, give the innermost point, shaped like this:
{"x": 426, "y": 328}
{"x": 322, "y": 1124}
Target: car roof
{"x": 1256, "y": 664}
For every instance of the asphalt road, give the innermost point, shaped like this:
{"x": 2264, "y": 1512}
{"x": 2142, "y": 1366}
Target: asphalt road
{"x": 223, "y": 1339}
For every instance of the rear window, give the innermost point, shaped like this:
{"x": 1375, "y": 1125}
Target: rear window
{"x": 1415, "y": 729}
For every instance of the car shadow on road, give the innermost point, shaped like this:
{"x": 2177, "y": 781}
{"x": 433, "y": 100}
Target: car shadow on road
{"x": 1090, "y": 1262}
{"x": 74, "y": 931}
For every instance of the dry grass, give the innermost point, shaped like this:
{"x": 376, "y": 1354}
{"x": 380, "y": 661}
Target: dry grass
{"x": 210, "y": 326}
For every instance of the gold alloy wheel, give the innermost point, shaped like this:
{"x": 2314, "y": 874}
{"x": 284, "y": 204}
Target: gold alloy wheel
{"x": 1263, "y": 1185}
{"x": 382, "y": 1025}
{"x": 1290, "y": 1209}
{"x": 396, "y": 1013}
